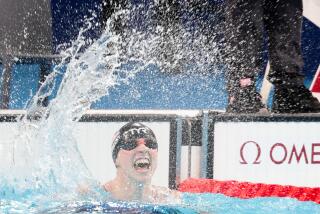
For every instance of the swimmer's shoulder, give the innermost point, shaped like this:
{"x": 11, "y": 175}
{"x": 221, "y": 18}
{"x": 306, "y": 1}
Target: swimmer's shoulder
{"x": 166, "y": 195}
{"x": 165, "y": 189}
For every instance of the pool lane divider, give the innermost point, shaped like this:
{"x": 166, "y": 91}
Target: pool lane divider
{"x": 247, "y": 190}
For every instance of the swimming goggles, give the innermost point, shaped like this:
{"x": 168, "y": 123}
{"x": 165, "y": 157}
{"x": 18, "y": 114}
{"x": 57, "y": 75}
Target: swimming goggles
{"x": 132, "y": 144}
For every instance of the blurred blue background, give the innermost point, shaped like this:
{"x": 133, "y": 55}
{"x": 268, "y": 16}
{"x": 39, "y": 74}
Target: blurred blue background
{"x": 150, "y": 89}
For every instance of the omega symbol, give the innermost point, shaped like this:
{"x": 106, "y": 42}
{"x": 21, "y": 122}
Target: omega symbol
{"x": 243, "y": 160}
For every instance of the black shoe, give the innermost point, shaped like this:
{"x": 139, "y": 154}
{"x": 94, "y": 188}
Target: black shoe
{"x": 246, "y": 100}
{"x": 294, "y": 99}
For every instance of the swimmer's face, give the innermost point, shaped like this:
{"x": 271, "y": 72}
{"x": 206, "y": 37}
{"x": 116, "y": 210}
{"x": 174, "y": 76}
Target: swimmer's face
{"x": 139, "y": 163}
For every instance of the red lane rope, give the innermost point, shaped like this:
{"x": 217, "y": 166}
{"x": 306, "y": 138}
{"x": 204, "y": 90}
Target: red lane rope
{"x": 249, "y": 190}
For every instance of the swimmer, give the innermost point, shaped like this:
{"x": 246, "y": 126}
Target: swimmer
{"x": 135, "y": 154}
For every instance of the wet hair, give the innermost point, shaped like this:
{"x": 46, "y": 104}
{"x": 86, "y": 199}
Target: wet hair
{"x": 131, "y": 131}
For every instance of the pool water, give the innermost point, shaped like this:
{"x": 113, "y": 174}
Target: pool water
{"x": 42, "y": 176}
{"x": 124, "y": 207}
{"x": 218, "y": 203}
{"x": 192, "y": 203}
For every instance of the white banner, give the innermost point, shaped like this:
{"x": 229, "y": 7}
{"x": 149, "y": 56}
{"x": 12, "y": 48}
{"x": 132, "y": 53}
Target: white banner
{"x": 94, "y": 141}
{"x": 286, "y": 153}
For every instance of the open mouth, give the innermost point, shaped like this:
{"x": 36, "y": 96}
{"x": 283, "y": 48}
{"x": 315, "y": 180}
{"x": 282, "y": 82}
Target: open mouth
{"x": 142, "y": 163}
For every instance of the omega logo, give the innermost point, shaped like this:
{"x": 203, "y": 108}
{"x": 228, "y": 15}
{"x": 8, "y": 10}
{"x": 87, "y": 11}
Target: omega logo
{"x": 243, "y": 160}
{"x": 288, "y": 153}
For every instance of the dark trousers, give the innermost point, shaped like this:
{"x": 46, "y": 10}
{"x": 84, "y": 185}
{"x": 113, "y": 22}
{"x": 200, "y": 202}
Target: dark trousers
{"x": 247, "y": 24}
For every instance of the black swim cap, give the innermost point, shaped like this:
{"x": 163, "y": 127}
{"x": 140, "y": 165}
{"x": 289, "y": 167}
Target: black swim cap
{"x": 130, "y": 132}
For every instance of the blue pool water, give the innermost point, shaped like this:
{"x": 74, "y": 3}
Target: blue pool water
{"x": 218, "y": 203}
{"x": 42, "y": 178}
{"x": 192, "y": 203}
{"x": 210, "y": 203}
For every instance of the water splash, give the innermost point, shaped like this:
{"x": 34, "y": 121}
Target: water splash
{"x": 45, "y": 154}
{"x": 45, "y": 161}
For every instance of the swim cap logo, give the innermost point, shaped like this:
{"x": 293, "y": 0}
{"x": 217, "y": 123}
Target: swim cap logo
{"x": 135, "y": 131}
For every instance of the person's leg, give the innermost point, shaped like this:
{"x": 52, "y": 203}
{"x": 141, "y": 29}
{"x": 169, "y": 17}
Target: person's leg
{"x": 283, "y": 25}
{"x": 244, "y": 47}
{"x": 283, "y": 20}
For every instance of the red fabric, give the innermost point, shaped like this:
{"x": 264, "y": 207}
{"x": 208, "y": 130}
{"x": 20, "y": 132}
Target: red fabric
{"x": 249, "y": 190}
{"x": 315, "y": 87}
